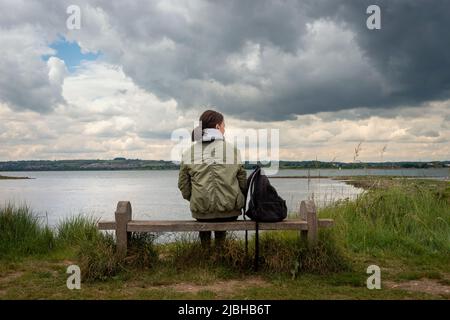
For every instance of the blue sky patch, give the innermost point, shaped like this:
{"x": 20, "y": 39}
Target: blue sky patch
{"x": 71, "y": 53}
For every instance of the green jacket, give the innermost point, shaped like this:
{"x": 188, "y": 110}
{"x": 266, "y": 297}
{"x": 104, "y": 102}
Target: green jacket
{"x": 213, "y": 179}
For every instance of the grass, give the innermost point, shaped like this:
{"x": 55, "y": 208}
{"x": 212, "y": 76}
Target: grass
{"x": 22, "y": 233}
{"x": 402, "y": 225}
{"x": 77, "y": 230}
{"x": 407, "y": 220}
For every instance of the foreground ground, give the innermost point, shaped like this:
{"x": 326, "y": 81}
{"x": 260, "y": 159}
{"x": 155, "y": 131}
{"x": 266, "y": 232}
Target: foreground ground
{"x": 403, "y": 226}
{"x": 37, "y": 279}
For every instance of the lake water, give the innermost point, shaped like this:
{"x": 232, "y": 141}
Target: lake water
{"x": 154, "y": 194}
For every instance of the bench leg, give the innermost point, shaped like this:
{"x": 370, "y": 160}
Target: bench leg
{"x": 123, "y": 216}
{"x": 256, "y": 262}
{"x": 303, "y": 236}
{"x": 313, "y": 226}
{"x": 308, "y": 212}
{"x": 246, "y": 243}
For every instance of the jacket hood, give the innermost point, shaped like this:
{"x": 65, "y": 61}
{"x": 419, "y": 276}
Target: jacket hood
{"x": 211, "y": 134}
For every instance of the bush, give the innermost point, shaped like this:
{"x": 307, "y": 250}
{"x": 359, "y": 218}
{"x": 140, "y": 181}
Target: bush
{"x": 284, "y": 252}
{"x": 99, "y": 259}
{"x": 280, "y": 252}
{"x": 187, "y": 252}
{"x": 141, "y": 252}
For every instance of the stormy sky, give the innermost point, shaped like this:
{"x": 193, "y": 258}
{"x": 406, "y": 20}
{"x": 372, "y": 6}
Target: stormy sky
{"x": 137, "y": 70}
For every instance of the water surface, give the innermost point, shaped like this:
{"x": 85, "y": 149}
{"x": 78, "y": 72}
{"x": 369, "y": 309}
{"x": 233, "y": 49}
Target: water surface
{"x": 55, "y": 195}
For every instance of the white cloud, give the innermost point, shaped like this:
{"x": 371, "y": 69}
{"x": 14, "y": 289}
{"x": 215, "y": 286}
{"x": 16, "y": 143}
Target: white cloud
{"x": 57, "y": 71}
{"x": 26, "y": 80}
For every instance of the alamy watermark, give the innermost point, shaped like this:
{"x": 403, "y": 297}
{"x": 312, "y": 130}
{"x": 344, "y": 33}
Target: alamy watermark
{"x": 373, "y": 22}
{"x": 255, "y": 146}
{"x": 374, "y": 280}
{"x": 73, "y": 21}
{"x": 74, "y": 280}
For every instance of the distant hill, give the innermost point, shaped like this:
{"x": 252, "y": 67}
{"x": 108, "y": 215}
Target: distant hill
{"x": 73, "y": 165}
{"x": 137, "y": 164}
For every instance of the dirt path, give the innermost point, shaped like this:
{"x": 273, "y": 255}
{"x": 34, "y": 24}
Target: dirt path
{"x": 220, "y": 287}
{"x": 429, "y": 286}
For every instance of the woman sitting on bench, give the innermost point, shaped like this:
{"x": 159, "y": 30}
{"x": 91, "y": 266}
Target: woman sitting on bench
{"x": 212, "y": 177}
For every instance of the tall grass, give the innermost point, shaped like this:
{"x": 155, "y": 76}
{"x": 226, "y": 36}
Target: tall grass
{"x": 76, "y": 230}
{"x": 22, "y": 233}
{"x": 401, "y": 220}
{"x": 284, "y": 252}
{"x": 99, "y": 259}
{"x": 187, "y": 252}
{"x": 281, "y": 252}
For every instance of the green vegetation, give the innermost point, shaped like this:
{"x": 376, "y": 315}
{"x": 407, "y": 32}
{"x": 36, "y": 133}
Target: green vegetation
{"x": 21, "y": 233}
{"x": 314, "y": 164}
{"x": 402, "y": 225}
{"x": 77, "y": 230}
{"x": 397, "y": 218}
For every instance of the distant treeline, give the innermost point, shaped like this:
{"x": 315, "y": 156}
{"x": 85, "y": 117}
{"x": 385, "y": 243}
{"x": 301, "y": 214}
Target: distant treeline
{"x": 74, "y": 165}
{"x": 362, "y": 165}
{"x": 137, "y": 164}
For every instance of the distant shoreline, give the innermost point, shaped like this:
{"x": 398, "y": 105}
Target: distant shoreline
{"x": 351, "y": 177}
{"x": 344, "y": 178}
{"x": 137, "y": 164}
{"x": 247, "y": 168}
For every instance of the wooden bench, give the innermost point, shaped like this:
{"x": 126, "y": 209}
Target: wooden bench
{"x": 307, "y": 224}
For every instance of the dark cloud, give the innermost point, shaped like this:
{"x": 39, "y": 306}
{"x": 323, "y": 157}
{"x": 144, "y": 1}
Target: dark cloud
{"x": 410, "y": 51}
{"x": 303, "y": 68}
{"x": 264, "y": 60}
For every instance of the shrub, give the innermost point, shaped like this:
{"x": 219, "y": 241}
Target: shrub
{"x": 99, "y": 259}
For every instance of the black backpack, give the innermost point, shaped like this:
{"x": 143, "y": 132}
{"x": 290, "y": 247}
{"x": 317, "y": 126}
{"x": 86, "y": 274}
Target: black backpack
{"x": 265, "y": 205}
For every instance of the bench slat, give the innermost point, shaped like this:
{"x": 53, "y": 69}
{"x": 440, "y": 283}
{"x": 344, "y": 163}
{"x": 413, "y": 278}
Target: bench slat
{"x": 183, "y": 225}
{"x": 161, "y": 226}
{"x": 106, "y": 225}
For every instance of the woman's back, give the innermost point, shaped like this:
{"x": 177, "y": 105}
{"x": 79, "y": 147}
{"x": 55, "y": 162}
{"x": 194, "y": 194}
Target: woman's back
{"x": 213, "y": 179}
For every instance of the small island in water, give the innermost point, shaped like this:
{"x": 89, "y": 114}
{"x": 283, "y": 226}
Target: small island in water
{"x": 15, "y": 178}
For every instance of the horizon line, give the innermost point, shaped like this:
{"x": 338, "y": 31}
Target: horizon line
{"x": 281, "y": 160}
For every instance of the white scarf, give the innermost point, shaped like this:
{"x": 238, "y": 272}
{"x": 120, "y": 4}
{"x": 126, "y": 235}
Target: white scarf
{"x": 211, "y": 134}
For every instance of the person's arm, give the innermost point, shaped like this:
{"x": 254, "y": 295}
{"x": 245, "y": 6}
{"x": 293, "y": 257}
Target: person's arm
{"x": 242, "y": 178}
{"x": 184, "y": 182}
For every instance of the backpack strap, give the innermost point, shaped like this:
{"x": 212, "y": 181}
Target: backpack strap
{"x": 250, "y": 191}
{"x": 246, "y": 234}
{"x": 251, "y": 186}
{"x": 256, "y": 262}
{"x": 251, "y": 178}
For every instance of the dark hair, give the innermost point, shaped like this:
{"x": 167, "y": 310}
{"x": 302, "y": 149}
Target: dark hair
{"x": 208, "y": 119}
